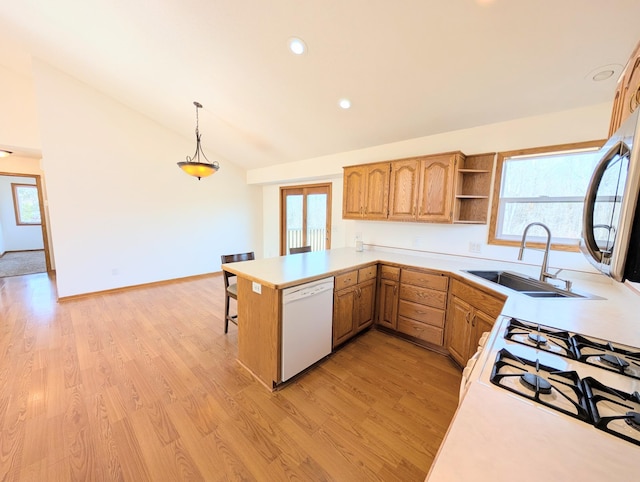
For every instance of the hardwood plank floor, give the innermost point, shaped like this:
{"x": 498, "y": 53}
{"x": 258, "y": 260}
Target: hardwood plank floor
{"x": 143, "y": 385}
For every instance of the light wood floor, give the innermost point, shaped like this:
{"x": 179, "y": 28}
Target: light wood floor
{"x": 143, "y": 385}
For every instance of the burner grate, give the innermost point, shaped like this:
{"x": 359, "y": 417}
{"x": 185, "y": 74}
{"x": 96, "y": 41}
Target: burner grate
{"x": 540, "y": 337}
{"x": 608, "y": 356}
{"x": 614, "y": 411}
{"x": 559, "y": 390}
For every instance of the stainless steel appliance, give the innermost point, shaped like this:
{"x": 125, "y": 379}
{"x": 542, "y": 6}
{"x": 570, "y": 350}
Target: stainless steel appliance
{"x": 584, "y": 378}
{"x": 611, "y": 216}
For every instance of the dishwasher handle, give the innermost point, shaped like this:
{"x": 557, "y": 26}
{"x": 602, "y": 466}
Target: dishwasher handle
{"x": 305, "y": 291}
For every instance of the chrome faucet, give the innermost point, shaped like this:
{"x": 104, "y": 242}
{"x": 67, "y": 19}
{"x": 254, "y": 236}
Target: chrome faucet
{"x": 544, "y": 273}
{"x": 523, "y": 244}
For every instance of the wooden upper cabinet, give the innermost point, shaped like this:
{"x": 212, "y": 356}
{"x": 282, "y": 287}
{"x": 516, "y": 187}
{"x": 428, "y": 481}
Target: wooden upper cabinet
{"x": 435, "y": 195}
{"x": 354, "y": 189}
{"x": 443, "y": 188}
{"x": 376, "y": 201}
{"x": 627, "y": 96}
{"x": 403, "y": 190}
{"x": 366, "y": 191}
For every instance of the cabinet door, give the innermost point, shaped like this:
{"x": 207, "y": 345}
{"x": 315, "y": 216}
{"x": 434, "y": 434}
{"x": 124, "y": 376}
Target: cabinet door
{"x": 376, "y": 203}
{"x": 480, "y": 322}
{"x": 458, "y": 329}
{"x": 435, "y": 196}
{"x": 403, "y": 190}
{"x": 388, "y": 307}
{"x": 354, "y": 192}
{"x": 365, "y": 305}
{"x": 344, "y": 303}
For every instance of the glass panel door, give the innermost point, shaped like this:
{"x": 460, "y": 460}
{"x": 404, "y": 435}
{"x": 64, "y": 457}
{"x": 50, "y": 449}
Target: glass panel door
{"x": 305, "y": 217}
{"x": 317, "y": 221}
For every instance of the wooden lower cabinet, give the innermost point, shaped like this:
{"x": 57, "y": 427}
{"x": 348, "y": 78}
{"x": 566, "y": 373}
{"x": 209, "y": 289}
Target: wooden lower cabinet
{"x": 354, "y": 306}
{"x": 388, "y": 289}
{"x": 421, "y": 306}
{"x": 470, "y": 313}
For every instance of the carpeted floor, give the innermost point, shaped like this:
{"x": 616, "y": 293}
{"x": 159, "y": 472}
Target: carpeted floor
{"x": 15, "y": 263}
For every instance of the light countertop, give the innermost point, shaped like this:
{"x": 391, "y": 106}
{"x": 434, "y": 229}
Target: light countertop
{"x": 613, "y": 317}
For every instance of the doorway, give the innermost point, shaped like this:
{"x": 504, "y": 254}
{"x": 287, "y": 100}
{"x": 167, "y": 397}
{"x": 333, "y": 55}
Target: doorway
{"x": 30, "y": 257}
{"x": 305, "y": 217}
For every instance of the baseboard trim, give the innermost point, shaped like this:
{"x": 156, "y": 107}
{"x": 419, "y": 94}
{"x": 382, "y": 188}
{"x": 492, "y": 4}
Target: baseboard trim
{"x": 63, "y": 299}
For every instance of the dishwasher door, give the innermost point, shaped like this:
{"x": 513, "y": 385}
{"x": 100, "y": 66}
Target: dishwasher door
{"x": 307, "y": 324}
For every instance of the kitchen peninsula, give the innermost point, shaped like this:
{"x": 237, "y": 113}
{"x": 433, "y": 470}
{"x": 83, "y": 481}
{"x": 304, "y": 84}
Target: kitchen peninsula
{"x": 488, "y": 419}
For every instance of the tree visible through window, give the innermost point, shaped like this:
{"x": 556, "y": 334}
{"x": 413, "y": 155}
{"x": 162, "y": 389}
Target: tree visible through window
{"x": 26, "y": 205}
{"x": 546, "y": 185}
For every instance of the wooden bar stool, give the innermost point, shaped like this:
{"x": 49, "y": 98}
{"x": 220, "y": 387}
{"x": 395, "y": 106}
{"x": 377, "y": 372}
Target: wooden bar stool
{"x": 231, "y": 289}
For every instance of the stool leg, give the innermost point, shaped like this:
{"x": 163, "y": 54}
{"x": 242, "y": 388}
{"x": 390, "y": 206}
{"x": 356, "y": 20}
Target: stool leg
{"x": 226, "y": 314}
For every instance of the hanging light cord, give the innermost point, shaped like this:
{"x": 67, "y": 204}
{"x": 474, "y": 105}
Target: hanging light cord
{"x": 196, "y": 156}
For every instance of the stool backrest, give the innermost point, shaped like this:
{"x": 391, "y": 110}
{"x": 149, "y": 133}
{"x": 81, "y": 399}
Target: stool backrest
{"x": 233, "y": 258}
{"x": 301, "y": 249}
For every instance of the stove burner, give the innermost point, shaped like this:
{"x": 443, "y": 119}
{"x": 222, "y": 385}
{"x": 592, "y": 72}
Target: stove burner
{"x": 537, "y": 338}
{"x": 614, "y": 361}
{"x": 633, "y": 420}
{"x": 536, "y": 383}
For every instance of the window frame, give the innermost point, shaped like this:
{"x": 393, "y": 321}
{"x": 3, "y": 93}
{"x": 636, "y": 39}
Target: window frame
{"x": 16, "y": 203}
{"x": 502, "y": 157}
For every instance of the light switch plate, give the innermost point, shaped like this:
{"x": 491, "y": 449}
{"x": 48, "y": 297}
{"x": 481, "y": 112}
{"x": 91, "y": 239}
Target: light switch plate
{"x": 257, "y": 287}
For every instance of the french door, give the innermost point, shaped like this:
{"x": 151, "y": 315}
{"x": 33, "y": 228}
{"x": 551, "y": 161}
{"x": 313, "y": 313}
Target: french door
{"x": 305, "y": 217}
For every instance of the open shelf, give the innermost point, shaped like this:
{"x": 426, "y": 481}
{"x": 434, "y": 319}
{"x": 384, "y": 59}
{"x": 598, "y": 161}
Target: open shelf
{"x": 473, "y": 186}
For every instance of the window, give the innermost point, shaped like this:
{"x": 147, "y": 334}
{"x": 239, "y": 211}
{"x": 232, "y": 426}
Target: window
{"x": 546, "y": 185}
{"x": 26, "y": 205}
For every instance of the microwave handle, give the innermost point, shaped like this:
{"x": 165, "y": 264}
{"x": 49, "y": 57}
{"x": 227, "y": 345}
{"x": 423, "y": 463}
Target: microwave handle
{"x": 588, "y": 236}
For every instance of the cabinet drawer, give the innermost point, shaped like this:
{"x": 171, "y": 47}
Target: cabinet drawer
{"x": 426, "y": 280}
{"x": 491, "y": 305}
{"x": 389, "y": 272}
{"x": 365, "y": 274}
{"x": 345, "y": 280}
{"x": 425, "y": 314}
{"x": 422, "y": 331}
{"x": 423, "y": 296}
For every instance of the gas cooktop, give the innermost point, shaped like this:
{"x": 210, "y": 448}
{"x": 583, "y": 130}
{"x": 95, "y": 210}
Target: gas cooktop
{"x": 581, "y": 386}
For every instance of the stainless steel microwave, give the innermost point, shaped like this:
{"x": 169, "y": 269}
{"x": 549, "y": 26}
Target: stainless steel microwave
{"x": 611, "y": 216}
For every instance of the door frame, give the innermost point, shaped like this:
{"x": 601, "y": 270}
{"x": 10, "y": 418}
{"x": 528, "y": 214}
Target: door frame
{"x": 303, "y": 188}
{"x": 43, "y": 214}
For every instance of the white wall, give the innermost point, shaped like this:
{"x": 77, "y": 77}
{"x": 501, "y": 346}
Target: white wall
{"x": 18, "y": 118}
{"x": 15, "y": 237}
{"x": 122, "y": 213}
{"x": 557, "y": 128}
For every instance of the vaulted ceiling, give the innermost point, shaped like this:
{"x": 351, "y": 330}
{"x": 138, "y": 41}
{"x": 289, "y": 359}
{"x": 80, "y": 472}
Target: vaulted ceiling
{"x": 411, "y": 68}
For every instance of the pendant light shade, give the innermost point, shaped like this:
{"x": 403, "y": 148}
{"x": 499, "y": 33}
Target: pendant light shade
{"x": 198, "y": 165}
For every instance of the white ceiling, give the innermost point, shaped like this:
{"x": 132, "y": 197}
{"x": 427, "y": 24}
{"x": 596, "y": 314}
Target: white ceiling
{"x": 411, "y": 68}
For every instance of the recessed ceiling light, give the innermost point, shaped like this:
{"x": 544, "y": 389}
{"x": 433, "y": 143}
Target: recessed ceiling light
{"x": 297, "y": 45}
{"x": 4, "y": 153}
{"x": 603, "y": 75}
{"x": 604, "y": 72}
{"x": 344, "y": 103}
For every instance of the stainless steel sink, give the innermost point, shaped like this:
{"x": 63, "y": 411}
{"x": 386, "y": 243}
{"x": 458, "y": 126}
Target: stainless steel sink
{"x": 524, "y": 284}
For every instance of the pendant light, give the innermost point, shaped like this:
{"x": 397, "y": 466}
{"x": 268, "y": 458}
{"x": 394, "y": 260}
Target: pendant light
{"x": 193, "y": 165}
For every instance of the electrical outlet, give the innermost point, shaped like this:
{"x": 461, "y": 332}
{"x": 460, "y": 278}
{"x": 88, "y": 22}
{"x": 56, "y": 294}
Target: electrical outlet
{"x": 474, "y": 247}
{"x": 257, "y": 287}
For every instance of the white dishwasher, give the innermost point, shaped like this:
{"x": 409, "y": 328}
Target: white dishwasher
{"x": 307, "y": 322}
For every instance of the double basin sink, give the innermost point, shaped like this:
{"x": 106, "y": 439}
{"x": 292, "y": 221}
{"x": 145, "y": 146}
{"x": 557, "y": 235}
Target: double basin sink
{"x": 524, "y": 284}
